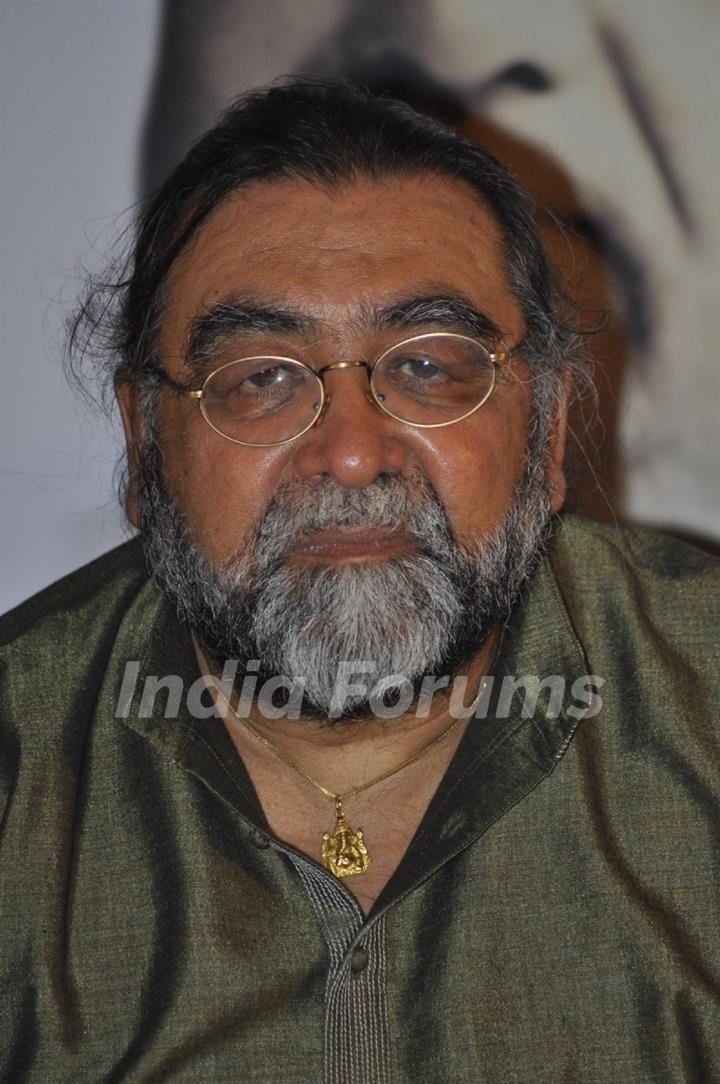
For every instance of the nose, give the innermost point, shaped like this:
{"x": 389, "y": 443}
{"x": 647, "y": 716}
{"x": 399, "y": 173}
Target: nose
{"x": 352, "y": 441}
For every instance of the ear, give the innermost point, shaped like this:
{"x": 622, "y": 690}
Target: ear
{"x": 134, "y": 427}
{"x": 555, "y": 474}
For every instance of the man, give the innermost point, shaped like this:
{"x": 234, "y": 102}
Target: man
{"x": 344, "y": 380}
{"x": 638, "y": 203}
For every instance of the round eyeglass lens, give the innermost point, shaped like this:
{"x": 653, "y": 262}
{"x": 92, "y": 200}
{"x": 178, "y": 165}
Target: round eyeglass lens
{"x": 261, "y": 401}
{"x": 433, "y": 379}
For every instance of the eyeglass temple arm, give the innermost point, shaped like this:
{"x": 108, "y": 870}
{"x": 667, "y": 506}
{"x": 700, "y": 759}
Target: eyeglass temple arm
{"x": 182, "y": 389}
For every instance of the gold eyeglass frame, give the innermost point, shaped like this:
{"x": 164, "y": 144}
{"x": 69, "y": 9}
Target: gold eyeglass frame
{"x": 198, "y": 394}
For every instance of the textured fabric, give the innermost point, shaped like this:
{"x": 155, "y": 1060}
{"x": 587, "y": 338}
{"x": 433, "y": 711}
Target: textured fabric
{"x": 555, "y": 918}
{"x": 355, "y": 997}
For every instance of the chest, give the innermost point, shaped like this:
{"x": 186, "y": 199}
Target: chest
{"x": 380, "y": 830}
{"x": 378, "y": 824}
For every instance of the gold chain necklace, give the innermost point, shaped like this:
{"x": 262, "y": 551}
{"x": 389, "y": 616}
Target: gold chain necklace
{"x": 344, "y": 852}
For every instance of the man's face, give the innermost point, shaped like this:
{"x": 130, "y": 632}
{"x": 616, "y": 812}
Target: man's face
{"x": 337, "y": 259}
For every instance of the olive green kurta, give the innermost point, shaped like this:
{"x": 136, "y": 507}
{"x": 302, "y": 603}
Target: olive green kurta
{"x": 556, "y": 917}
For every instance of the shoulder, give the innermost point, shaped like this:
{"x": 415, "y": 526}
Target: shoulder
{"x": 54, "y": 647}
{"x": 55, "y": 652}
{"x": 78, "y": 602}
{"x": 606, "y": 547}
{"x": 634, "y": 565}
{"x": 638, "y": 593}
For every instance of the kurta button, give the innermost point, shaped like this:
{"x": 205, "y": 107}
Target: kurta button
{"x": 359, "y": 960}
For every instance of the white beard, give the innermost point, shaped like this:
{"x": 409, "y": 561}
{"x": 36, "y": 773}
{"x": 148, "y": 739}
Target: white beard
{"x": 417, "y": 614}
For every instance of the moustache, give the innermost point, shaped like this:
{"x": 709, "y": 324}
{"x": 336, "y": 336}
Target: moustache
{"x": 391, "y": 503}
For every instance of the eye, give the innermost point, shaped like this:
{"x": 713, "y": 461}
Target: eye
{"x": 418, "y": 368}
{"x": 267, "y": 378}
{"x": 243, "y": 379}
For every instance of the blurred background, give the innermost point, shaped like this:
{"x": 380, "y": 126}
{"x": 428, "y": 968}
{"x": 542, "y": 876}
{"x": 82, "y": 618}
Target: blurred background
{"x": 607, "y": 110}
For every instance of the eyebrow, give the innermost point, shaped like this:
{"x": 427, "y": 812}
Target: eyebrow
{"x": 237, "y": 316}
{"x": 453, "y": 312}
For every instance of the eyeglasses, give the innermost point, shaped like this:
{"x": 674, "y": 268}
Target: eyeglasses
{"x": 428, "y": 381}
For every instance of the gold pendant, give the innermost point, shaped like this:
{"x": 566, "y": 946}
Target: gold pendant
{"x": 344, "y": 852}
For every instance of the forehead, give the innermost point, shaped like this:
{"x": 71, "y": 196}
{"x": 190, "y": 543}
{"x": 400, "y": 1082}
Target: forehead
{"x": 336, "y": 253}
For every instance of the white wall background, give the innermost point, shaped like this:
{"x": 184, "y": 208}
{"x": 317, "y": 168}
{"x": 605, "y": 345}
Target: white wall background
{"x": 74, "y": 77}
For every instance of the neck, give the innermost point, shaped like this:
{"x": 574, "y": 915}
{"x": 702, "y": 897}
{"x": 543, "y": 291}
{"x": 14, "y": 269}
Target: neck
{"x": 363, "y": 740}
{"x": 384, "y": 771}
